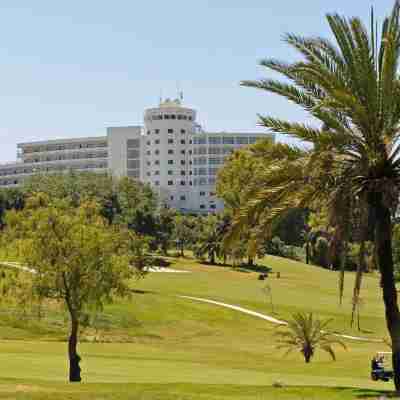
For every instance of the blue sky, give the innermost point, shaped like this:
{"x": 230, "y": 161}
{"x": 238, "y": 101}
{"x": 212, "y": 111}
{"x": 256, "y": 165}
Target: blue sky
{"x": 74, "y": 67}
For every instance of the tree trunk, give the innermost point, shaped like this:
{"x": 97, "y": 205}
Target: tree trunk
{"x": 74, "y": 359}
{"x": 212, "y": 257}
{"x": 250, "y": 262}
{"x": 182, "y": 251}
{"x": 307, "y": 251}
{"x": 383, "y": 241}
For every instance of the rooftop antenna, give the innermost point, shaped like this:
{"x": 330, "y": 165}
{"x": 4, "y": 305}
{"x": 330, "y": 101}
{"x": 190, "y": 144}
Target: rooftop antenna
{"x": 179, "y": 92}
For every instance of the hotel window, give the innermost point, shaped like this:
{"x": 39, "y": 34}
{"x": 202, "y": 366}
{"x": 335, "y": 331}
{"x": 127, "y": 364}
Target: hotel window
{"x": 202, "y": 193}
{"x": 170, "y": 162}
{"x": 183, "y": 183}
{"x": 200, "y": 140}
{"x": 156, "y": 172}
{"x": 148, "y": 152}
{"x": 182, "y": 198}
{"x": 214, "y": 140}
{"x": 133, "y": 143}
{"x": 148, "y": 132}
{"x": 212, "y": 171}
{"x": 157, "y": 141}
{"x": 157, "y": 162}
{"x": 133, "y": 164}
{"x": 170, "y": 151}
{"x": 173, "y": 116}
{"x": 156, "y": 131}
{"x": 170, "y": 131}
{"x": 171, "y": 198}
{"x": 170, "y": 141}
{"x": 148, "y": 174}
{"x": 183, "y": 162}
{"x": 183, "y": 131}
{"x": 183, "y": 173}
{"x": 228, "y": 140}
{"x": 157, "y": 152}
{"x": 170, "y": 172}
{"x": 183, "y": 141}
{"x": 132, "y": 154}
{"x": 215, "y": 160}
{"x": 213, "y": 206}
{"x": 166, "y": 116}
{"x": 157, "y": 183}
{"x": 202, "y": 206}
{"x": 182, "y": 151}
{"x": 170, "y": 183}
{"x": 242, "y": 140}
{"x": 148, "y": 143}
{"x": 253, "y": 139}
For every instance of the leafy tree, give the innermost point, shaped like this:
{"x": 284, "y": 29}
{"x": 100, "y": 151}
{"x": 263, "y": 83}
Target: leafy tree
{"x": 122, "y": 200}
{"x": 10, "y": 199}
{"x": 306, "y": 334}
{"x": 184, "y": 231}
{"x": 352, "y": 87}
{"x": 163, "y": 235}
{"x": 209, "y": 238}
{"x": 291, "y": 225}
{"x": 77, "y": 258}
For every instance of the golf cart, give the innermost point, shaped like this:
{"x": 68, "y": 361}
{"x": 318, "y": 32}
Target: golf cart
{"x": 380, "y": 371}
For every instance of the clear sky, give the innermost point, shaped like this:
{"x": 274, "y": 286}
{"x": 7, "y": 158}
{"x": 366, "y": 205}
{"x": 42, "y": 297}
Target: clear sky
{"x": 72, "y": 68}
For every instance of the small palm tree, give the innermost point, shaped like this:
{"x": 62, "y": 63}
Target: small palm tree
{"x": 306, "y": 334}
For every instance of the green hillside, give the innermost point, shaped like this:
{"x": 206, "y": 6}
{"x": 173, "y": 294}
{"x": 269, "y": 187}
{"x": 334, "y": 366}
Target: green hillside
{"x": 160, "y": 346}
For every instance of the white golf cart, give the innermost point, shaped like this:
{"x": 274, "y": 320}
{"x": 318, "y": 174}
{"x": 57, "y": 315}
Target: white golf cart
{"x": 380, "y": 369}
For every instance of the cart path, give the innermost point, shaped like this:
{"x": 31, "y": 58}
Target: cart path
{"x": 271, "y": 319}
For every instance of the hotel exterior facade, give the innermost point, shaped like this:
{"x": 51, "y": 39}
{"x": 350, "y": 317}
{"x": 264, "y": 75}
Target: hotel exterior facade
{"x": 170, "y": 152}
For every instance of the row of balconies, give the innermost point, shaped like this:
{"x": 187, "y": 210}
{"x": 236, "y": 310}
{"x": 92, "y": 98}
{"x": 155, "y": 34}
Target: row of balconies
{"x": 62, "y": 147}
{"x": 46, "y": 166}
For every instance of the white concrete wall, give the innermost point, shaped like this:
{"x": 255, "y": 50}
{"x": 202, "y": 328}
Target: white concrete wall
{"x": 117, "y": 147}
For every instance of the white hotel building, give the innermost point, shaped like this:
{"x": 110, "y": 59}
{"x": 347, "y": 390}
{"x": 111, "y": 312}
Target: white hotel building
{"x": 170, "y": 152}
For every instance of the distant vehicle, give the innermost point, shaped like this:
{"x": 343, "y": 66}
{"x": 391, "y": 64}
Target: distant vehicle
{"x": 380, "y": 370}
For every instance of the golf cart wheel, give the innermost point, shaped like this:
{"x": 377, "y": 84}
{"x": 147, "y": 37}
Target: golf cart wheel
{"x": 374, "y": 376}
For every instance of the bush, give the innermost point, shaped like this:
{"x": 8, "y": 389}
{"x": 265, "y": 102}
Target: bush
{"x": 277, "y": 247}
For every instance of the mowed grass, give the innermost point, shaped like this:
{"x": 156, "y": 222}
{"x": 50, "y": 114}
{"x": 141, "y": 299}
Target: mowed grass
{"x": 166, "y": 347}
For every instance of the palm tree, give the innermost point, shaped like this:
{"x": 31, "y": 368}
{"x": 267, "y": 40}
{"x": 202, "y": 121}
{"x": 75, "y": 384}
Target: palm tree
{"x": 353, "y": 87}
{"x": 306, "y": 334}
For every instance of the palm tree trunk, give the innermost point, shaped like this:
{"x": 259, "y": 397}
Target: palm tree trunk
{"x": 74, "y": 359}
{"x": 383, "y": 241}
{"x": 212, "y": 257}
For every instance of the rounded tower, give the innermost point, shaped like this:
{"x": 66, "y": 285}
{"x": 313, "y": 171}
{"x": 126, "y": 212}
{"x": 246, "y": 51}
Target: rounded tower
{"x": 167, "y": 151}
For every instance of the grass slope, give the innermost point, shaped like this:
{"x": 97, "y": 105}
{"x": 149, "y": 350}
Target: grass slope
{"x": 166, "y": 347}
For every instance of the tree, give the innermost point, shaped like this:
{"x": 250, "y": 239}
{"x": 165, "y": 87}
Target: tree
{"x": 209, "y": 238}
{"x": 184, "y": 228}
{"x": 164, "y": 229}
{"x": 353, "y": 88}
{"x": 306, "y": 334}
{"x": 244, "y": 235}
{"x": 77, "y": 258}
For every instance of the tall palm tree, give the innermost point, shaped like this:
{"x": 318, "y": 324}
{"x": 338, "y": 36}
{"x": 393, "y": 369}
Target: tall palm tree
{"x": 353, "y": 87}
{"x": 306, "y": 334}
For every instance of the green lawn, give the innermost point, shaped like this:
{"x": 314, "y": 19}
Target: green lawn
{"x": 159, "y": 346}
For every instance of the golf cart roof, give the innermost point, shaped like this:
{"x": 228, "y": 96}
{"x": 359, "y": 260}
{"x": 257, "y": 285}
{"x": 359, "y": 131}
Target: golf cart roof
{"x": 384, "y": 352}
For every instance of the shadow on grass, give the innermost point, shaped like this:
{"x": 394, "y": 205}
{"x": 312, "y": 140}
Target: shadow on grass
{"x": 375, "y": 394}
